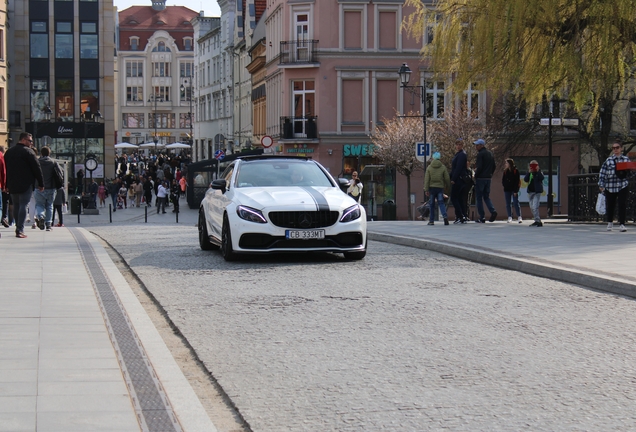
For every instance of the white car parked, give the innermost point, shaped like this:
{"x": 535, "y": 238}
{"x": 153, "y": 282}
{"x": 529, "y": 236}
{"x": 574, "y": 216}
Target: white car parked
{"x": 265, "y": 204}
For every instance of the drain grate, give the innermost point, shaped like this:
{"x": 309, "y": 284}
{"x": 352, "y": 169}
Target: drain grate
{"x": 151, "y": 404}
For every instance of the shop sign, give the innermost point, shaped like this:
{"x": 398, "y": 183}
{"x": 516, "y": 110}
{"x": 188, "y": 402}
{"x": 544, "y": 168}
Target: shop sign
{"x": 64, "y": 130}
{"x": 300, "y": 149}
{"x": 358, "y": 150}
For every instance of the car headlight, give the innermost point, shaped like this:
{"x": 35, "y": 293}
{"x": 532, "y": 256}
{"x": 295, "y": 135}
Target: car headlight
{"x": 250, "y": 214}
{"x": 351, "y": 214}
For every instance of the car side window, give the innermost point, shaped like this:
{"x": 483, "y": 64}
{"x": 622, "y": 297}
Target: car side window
{"x": 227, "y": 175}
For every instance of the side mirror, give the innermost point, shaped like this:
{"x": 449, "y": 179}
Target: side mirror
{"x": 219, "y": 184}
{"x": 344, "y": 184}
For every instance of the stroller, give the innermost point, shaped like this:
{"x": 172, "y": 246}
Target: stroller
{"x": 120, "y": 202}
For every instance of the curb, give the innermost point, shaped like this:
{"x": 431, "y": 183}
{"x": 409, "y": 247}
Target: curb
{"x": 610, "y": 283}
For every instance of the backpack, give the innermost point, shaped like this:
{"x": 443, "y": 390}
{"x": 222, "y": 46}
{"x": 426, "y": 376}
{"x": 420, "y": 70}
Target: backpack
{"x": 58, "y": 176}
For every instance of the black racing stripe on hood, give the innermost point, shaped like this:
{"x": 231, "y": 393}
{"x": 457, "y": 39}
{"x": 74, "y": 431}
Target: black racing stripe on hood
{"x": 319, "y": 199}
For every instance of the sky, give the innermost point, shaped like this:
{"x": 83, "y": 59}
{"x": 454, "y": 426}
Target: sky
{"x": 210, "y": 7}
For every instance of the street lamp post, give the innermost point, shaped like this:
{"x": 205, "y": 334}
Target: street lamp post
{"x": 418, "y": 90}
{"x": 47, "y": 117}
{"x": 189, "y": 96}
{"x": 92, "y": 118}
{"x": 156, "y": 99}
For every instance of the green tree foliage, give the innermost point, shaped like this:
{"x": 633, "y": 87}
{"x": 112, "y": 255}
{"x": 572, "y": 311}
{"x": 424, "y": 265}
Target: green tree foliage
{"x": 582, "y": 50}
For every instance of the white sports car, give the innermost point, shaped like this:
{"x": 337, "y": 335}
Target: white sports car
{"x": 264, "y": 204}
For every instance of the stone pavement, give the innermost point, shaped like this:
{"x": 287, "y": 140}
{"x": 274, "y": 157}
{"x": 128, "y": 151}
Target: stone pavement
{"x": 583, "y": 254}
{"x": 77, "y": 350}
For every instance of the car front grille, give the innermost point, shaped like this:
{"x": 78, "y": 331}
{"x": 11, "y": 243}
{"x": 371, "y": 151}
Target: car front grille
{"x": 304, "y": 219}
{"x": 267, "y": 242}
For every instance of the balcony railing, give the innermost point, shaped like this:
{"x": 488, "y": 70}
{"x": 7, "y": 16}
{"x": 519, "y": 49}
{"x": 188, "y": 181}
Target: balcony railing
{"x": 305, "y": 127}
{"x": 298, "y": 52}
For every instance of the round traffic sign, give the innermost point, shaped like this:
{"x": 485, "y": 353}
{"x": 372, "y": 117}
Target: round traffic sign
{"x": 267, "y": 141}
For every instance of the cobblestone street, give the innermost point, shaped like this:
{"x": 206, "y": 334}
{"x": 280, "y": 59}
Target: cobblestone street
{"x": 406, "y": 339}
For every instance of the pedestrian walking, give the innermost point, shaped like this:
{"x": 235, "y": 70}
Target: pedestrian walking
{"x": 162, "y": 194}
{"x": 113, "y": 190}
{"x": 44, "y": 198}
{"x": 23, "y": 171}
{"x": 459, "y": 181}
{"x": 483, "y": 177}
{"x": 511, "y": 181}
{"x": 58, "y": 205}
{"x": 355, "y": 187}
{"x": 148, "y": 187}
{"x": 139, "y": 191}
{"x": 436, "y": 182}
{"x": 122, "y": 195}
{"x": 614, "y": 185}
{"x": 3, "y": 183}
{"x": 534, "y": 179}
{"x": 101, "y": 193}
{"x": 80, "y": 182}
{"x": 93, "y": 189}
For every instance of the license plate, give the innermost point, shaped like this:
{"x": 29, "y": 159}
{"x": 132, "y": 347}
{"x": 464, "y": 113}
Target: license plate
{"x": 305, "y": 234}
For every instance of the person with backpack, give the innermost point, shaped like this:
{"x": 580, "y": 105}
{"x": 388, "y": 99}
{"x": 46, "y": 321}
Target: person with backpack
{"x": 436, "y": 182}
{"x": 511, "y": 181}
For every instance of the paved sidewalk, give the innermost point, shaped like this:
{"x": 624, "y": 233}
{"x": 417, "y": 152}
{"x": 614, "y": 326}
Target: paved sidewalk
{"x": 584, "y": 254}
{"x": 77, "y": 350}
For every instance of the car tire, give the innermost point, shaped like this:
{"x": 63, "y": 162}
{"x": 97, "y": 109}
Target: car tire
{"x": 356, "y": 255}
{"x": 226, "y": 241}
{"x": 204, "y": 237}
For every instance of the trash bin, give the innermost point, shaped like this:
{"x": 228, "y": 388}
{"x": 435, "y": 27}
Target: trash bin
{"x": 389, "y": 210}
{"x": 76, "y": 204}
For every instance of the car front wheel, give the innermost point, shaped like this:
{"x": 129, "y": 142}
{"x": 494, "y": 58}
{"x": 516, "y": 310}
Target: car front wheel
{"x": 226, "y": 241}
{"x": 356, "y": 255}
{"x": 204, "y": 237}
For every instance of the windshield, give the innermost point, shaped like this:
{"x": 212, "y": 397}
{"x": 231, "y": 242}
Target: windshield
{"x": 281, "y": 172}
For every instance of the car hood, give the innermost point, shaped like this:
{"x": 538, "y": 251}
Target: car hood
{"x": 293, "y": 198}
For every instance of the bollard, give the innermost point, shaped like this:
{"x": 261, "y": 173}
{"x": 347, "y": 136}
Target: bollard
{"x": 176, "y": 214}
{"x": 78, "y": 216}
{"x": 110, "y": 212}
{"x": 146, "y": 214}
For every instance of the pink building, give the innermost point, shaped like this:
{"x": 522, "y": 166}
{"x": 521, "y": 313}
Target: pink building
{"x": 332, "y": 76}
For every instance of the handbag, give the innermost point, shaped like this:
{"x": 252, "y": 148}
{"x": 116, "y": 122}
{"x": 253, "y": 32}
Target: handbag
{"x": 600, "y": 204}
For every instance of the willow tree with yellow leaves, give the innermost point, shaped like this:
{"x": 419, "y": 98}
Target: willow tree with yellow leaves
{"x": 583, "y": 51}
{"x": 394, "y": 145}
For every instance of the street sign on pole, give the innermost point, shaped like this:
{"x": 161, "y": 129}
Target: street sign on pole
{"x": 422, "y": 151}
{"x": 570, "y": 122}
{"x": 546, "y": 122}
{"x": 219, "y": 154}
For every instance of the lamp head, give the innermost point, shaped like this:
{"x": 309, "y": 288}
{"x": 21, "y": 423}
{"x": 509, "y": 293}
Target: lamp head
{"x": 405, "y": 74}
{"x": 47, "y": 113}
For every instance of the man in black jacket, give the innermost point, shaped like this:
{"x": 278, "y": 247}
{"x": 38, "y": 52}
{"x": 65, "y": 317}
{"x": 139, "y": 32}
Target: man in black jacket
{"x": 23, "y": 170}
{"x": 483, "y": 177}
{"x": 458, "y": 177}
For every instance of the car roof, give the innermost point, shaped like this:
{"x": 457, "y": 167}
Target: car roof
{"x": 278, "y": 157}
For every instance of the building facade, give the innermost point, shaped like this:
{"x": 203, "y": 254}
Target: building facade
{"x": 155, "y": 63}
{"x": 331, "y": 77}
{"x": 213, "y": 78}
{"x": 62, "y": 78}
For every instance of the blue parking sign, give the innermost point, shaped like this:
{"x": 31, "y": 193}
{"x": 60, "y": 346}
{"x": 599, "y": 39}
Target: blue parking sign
{"x": 422, "y": 150}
